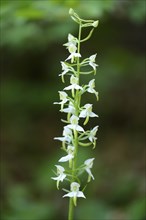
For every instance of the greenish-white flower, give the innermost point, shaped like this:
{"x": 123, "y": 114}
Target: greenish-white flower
{"x": 74, "y": 192}
{"x": 70, "y": 109}
{"x": 91, "y": 87}
{"x": 71, "y": 40}
{"x": 70, "y": 154}
{"x": 60, "y": 175}
{"x": 72, "y": 56}
{"x": 72, "y": 48}
{"x": 88, "y": 165}
{"x": 74, "y": 84}
{"x": 67, "y": 135}
{"x": 92, "y": 61}
{"x": 87, "y": 111}
{"x": 65, "y": 69}
{"x": 74, "y": 124}
{"x": 92, "y": 134}
{"x": 63, "y": 97}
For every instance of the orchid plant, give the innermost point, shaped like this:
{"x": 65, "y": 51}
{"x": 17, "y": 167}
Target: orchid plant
{"x": 75, "y": 135}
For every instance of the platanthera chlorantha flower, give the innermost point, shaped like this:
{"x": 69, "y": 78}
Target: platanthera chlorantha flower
{"x": 67, "y": 135}
{"x": 92, "y": 61}
{"x": 69, "y": 156}
{"x": 60, "y": 175}
{"x": 63, "y": 98}
{"x": 72, "y": 48}
{"x": 87, "y": 112}
{"x": 71, "y": 40}
{"x": 74, "y": 192}
{"x": 92, "y": 134}
{"x": 74, "y": 124}
{"x": 70, "y": 109}
{"x": 88, "y": 165}
{"x": 73, "y": 54}
{"x": 74, "y": 85}
{"x": 91, "y": 87}
{"x": 65, "y": 69}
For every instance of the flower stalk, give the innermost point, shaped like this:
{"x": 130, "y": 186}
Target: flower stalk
{"x": 76, "y": 136}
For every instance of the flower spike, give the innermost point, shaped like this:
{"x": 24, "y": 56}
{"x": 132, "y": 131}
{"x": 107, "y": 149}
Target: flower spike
{"x": 75, "y": 134}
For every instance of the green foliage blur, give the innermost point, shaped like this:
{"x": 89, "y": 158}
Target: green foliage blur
{"x": 32, "y": 34}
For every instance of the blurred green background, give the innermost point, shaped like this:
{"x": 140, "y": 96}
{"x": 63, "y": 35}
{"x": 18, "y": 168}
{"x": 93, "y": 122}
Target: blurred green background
{"x": 32, "y": 34}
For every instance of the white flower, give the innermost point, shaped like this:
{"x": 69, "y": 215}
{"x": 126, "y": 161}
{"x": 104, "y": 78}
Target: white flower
{"x": 74, "y": 123}
{"x": 69, "y": 156}
{"x": 92, "y": 61}
{"x": 65, "y": 69}
{"x": 74, "y": 192}
{"x": 74, "y": 84}
{"x": 72, "y": 48}
{"x": 61, "y": 176}
{"x": 88, "y": 165}
{"x": 87, "y": 112}
{"x": 91, "y": 87}
{"x": 92, "y": 134}
{"x": 71, "y": 44}
{"x": 67, "y": 135}
{"x": 63, "y": 98}
{"x": 71, "y": 40}
{"x": 67, "y": 132}
{"x": 70, "y": 109}
{"x": 72, "y": 56}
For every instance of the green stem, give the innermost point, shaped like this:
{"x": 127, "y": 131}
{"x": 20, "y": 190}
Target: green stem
{"x": 71, "y": 206}
{"x": 77, "y": 105}
{"x": 78, "y": 59}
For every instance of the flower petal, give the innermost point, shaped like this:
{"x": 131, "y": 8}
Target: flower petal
{"x": 69, "y": 87}
{"x": 92, "y": 114}
{"x": 66, "y": 158}
{"x": 70, "y": 194}
{"x": 79, "y": 128}
{"x": 81, "y": 194}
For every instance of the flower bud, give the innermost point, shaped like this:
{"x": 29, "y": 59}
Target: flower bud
{"x": 71, "y": 11}
{"x": 95, "y": 23}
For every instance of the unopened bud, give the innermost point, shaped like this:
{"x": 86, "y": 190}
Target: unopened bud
{"x": 71, "y": 11}
{"x": 95, "y": 23}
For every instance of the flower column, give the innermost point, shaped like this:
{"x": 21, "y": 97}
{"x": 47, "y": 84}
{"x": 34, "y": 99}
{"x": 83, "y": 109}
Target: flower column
{"x": 74, "y": 135}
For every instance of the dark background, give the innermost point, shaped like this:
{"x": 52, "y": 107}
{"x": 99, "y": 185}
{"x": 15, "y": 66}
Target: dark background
{"x": 32, "y": 34}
